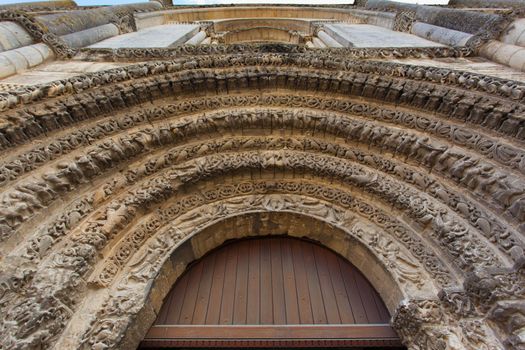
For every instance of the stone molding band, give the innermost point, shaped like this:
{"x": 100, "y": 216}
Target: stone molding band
{"x": 466, "y": 80}
{"x": 487, "y": 112}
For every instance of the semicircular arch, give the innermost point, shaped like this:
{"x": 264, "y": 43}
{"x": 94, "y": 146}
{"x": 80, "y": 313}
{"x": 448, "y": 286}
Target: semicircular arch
{"x": 190, "y": 246}
{"x": 441, "y": 162}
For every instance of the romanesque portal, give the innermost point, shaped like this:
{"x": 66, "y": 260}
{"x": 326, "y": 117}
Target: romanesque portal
{"x": 271, "y": 291}
{"x": 136, "y": 139}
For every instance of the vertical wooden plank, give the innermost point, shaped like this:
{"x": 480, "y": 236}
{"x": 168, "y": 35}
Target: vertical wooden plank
{"x": 241, "y": 284}
{"x": 325, "y": 284}
{"x": 165, "y": 309}
{"x": 343, "y": 304}
{"x": 214, "y": 305}
{"x": 279, "y": 308}
{"x": 254, "y": 283}
{"x": 266, "y": 284}
{"x": 190, "y": 298}
{"x": 365, "y": 290}
{"x": 316, "y": 298}
{"x": 383, "y": 311}
{"x": 203, "y": 296}
{"x": 272, "y": 281}
{"x": 303, "y": 294}
{"x": 230, "y": 277}
{"x": 352, "y": 292}
{"x": 177, "y": 300}
{"x": 290, "y": 288}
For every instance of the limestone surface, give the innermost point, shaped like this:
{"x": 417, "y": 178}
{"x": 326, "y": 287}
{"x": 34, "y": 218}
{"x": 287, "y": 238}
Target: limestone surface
{"x": 137, "y": 138}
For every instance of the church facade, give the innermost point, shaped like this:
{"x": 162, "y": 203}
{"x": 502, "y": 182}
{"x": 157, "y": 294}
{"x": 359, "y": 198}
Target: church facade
{"x": 267, "y": 176}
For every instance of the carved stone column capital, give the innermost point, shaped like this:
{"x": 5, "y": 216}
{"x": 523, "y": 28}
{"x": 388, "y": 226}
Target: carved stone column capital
{"x": 318, "y": 28}
{"x": 487, "y": 286}
{"x": 429, "y": 325}
{"x": 414, "y": 320}
{"x": 207, "y": 27}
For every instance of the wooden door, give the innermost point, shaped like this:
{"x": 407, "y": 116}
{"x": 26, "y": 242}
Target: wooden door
{"x": 268, "y": 292}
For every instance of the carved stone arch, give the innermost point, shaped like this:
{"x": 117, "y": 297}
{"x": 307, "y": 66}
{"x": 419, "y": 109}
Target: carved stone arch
{"x": 419, "y": 208}
{"x": 475, "y": 217}
{"x": 113, "y": 161}
{"x": 145, "y": 268}
{"x": 429, "y": 149}
{"x": 118, "y": 216}
{"x": 155, "y": 189}
{"x": 344, "y": 212}
{"x": 252, "y": 222}
{"x": 366, "y": 165}
{"x": 86, "y": 234}
{"x": 161, "y": 79}
{"x": 143, "y": 183}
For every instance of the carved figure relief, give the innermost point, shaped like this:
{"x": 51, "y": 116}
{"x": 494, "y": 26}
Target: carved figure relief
{"x": 104, "y": 175}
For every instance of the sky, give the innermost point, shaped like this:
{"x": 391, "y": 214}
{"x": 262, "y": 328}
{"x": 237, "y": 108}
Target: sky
{"x": 210, "y": 2}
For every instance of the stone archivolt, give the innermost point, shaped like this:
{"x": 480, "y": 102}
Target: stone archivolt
{"x": 107, "y": 174}
{"x": 353, "y": 131}
{"x": 228, "y": 56}
{"x": 25, "y": 124}
{"x": 480, "y": 142}
{"x": 141, "y": 268}
{"x": 164, "y": 215}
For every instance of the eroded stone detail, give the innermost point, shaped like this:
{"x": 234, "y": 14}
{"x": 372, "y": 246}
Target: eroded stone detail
{"x": 510, "y": 317}
{"x": 424, "y": 324}
{"x": 146, "y": 265}
{"x": 467, "y": 80}
{"x": 38, "y": 32}
{"x": 106, "y": 173}
{"x": 408, "y": 267}
{"x": 488, "y": 286}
